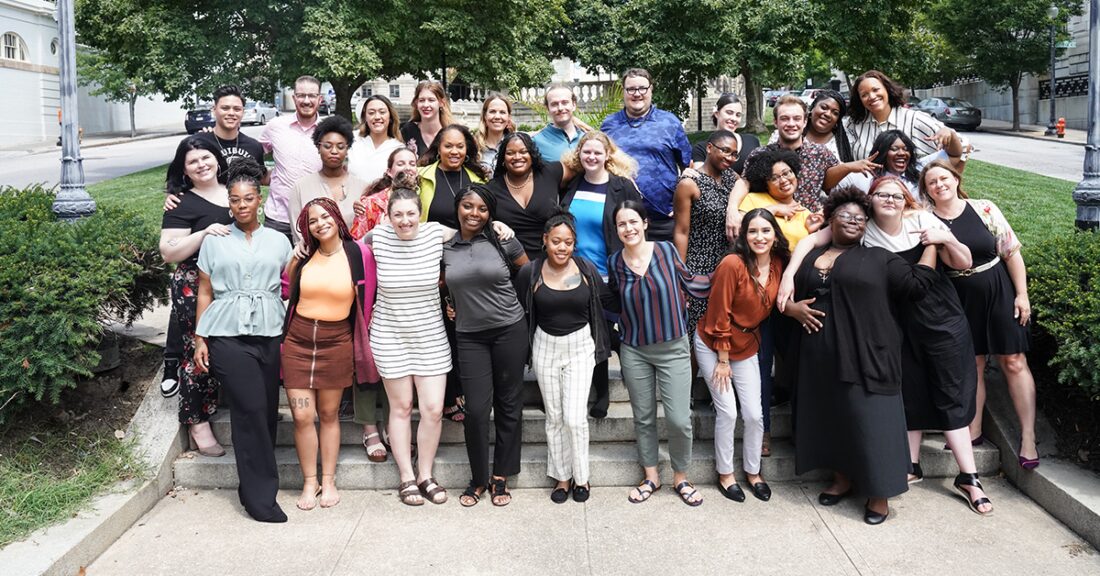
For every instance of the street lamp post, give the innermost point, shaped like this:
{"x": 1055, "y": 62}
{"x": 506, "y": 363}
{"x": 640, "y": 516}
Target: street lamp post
{"x": 1087, "y": 193}
{"x": 1052, "y": 13}
{"x": 72, "y": 199}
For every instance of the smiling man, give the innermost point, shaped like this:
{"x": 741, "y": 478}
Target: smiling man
{"x": 564, "y": 131}
{"x": 228, "y": 109}
{"x": 655, "y": 138}
{"x": 289, "y": 139}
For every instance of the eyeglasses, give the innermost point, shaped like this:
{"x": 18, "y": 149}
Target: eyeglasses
{"x": 890, "y": 197}
{"x": 850, "y": 218}
{"x": 725, "y": 150}
{"x": 637, "y": 90}
{"x": 306, "y": 96}
{"x": 330, "y": 146}
{"x": 784, "y": 175}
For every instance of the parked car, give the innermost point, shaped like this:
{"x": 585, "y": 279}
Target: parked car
{"x": 954, "y": 112}
{"x": 808, "y": 96}
{"x": 258, "y": 113}
{"x": 323, "y": 107}
{"x": 198, "y": 119}
{"x": 770, "y": 96}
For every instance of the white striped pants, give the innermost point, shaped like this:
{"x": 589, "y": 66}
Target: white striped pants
{"x": 746, "y": 381}
{"x": 563, "y": 366}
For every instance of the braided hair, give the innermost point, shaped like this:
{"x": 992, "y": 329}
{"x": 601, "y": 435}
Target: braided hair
{"x": 244, "y": 170}
{"x": 329, "y": 205}
{"x": 482, "y": 191}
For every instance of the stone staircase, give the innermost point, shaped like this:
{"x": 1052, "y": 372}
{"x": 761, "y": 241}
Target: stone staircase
{"x": 613, "y": 457}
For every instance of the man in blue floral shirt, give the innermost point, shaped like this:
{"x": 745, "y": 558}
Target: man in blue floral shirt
{"x": 656, "y": 140}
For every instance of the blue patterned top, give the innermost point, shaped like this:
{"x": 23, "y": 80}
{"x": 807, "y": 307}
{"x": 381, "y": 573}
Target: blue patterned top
{"x": 658, "y": 143}
{"x": 653, "y": 307}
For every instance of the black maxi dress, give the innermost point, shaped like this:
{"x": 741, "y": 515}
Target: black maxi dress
{"x": 849, "y": 416}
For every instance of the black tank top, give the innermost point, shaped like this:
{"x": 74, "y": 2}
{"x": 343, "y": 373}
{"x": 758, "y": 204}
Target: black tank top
{"x": 562, "y": 312}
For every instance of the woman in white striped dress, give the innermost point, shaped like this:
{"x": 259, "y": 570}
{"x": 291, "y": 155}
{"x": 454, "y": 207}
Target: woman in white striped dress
{"x": 408, "y": 339}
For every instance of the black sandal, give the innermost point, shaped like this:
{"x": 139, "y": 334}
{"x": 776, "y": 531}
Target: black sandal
{"x": 686, "y": 496}
{"x": 498, "y": 488}
{"x": 964, "y": 479}
{"x": 455, "y": 413}
{"x": 470, "y": 496}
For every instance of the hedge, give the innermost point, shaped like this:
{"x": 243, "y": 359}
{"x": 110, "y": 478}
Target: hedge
{"x": 60, "y": 284}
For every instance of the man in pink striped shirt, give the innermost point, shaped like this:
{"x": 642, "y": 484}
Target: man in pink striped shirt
{"x": 289, "y": 139}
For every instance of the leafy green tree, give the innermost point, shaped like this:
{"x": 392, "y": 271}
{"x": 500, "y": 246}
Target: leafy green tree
{"x": 864, "y": 36}
{"x": 1001, "y": 40}
{"x": 109, "y": 80}
{"x": 682, "y": 43}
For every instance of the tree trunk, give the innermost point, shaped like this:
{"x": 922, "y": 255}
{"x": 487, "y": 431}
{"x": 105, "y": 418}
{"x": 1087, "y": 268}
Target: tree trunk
{"x": 133, "y": 126}
{"x": 754, "y": 121}
{"x": 343, "y": 88}
{"x": 1014, "y": 84}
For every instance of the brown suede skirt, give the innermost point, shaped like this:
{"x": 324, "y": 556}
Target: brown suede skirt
{"x": 318, "y": 354}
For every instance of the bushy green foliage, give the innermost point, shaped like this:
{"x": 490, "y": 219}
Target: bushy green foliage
{"x": 1064, "y": 288}
{"x": 59, "y": 284}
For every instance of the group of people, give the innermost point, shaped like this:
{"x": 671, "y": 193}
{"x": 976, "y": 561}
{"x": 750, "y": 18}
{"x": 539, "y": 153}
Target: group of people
{"x": 427, "y": 264}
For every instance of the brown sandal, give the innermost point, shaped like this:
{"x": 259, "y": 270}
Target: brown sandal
{"x": 410, "y": 494}
{"x": 432, "y": 491}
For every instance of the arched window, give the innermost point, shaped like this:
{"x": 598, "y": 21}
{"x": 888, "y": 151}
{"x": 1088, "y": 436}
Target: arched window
{"x": 14, "y": 47}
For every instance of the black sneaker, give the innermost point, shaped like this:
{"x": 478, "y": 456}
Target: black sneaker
{"x": 170, "y": 384}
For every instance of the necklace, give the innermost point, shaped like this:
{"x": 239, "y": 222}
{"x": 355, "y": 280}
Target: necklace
{"x": 637, "y": 122}
{"x": 521, "y": 185}
{"x": 447, "y": 179}
{"x": 323, "y": 253}
{"x": 236, "y": 143}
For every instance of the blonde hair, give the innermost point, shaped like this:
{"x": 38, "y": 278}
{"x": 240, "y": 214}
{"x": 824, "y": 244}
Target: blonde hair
{"x": 445, "y": 118}
{"x": 618, "y": 162}
{"x": 944, "y": 166}
{"x": 483, "y": 129}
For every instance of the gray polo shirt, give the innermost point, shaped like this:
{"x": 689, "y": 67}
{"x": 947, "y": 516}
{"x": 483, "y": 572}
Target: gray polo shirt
{"x": 480, "y": 283}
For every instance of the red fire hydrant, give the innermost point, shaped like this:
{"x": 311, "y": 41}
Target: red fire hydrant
{"x": 1061, "y": 126}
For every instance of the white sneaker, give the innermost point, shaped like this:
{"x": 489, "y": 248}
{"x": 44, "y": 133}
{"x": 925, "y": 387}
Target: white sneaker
{"x": 170, "y": 385}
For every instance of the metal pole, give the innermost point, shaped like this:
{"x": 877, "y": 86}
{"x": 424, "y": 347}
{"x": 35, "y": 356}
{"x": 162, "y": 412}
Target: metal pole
{"x": 443, "y": 71}
{"x": 72, "y": 201}
{"x": 1052, "y": 129}
{"x": 1087, "y": 194}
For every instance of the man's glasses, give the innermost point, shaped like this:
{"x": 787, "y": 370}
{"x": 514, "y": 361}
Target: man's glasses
{"x": 637, "y": 90}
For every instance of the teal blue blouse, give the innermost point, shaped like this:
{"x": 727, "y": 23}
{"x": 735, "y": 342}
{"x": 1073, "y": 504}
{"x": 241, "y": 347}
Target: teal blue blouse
{"x": 246, "y": 278}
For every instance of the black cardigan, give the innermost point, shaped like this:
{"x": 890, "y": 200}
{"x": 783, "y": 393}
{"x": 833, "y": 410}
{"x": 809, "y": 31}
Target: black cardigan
{"x": 530, "y": 276}
{"x": 864, "y": 284}
{"x": 618, "y": 190}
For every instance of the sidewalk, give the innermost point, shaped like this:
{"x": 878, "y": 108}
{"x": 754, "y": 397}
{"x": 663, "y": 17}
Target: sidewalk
{"x": 930, "y": 532}
{"x": 1033, "y": 131}
{"x": 90, "y": 141}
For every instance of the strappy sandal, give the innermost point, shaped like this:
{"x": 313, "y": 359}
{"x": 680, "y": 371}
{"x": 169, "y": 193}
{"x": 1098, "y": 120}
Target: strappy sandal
{"x": 376, "y": 451}
{"x": 686, "y": 496}
{"x": 645, "y": 490}
{"x": 766, "y": 445}
{"x": 432, "y": 491}
{"x": 964, "y": 479}
{"x": 455, "y": 413}
{"x": 471, "y": 496}
{"x": 498, "y": 491}
{"x": 410, "y": 494}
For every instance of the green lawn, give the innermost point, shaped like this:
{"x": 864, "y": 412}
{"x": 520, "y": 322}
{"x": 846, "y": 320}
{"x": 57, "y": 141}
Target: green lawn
{"x": 142, "y": 191}
{"x": 1036, "y": 206}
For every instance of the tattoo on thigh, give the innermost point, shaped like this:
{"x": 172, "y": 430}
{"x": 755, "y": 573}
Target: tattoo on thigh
{"x": 299, "y": 402}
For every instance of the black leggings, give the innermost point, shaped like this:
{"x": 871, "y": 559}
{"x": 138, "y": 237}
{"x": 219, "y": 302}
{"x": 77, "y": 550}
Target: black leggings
{"x": 248, "y": 368}
{"x": 492, "y": 377}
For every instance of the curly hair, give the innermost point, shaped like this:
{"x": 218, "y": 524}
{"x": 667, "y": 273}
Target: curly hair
{"x": 618, "y": 162}
{"x": 244, "y": 170}
{"x": 330, "y": 206}
{"x": 759, "y": 171}
{"x": 471, "y": 162}
{"x": 337, "y": 124}
{"x": 537, "y": 162}
{"x": 842, "y": 195}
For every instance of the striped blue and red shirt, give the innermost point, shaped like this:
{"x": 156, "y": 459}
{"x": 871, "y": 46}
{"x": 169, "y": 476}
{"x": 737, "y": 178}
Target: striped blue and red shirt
{"x": 653, "y": 306}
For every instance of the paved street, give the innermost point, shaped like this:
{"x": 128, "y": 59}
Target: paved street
{"x": 100, "y": 163}
{"x": 1049, "y": 158}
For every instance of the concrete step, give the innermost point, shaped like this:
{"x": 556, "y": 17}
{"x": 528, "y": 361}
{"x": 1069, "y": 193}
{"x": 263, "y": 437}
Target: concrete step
{"x": 611, "y": 464}
{"x": 617, "y": 427}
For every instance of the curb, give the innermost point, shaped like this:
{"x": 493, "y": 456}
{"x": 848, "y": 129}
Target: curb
{"x": 92, "y": 144}
{"x": 65, "y": 549}
{"x": 1065, "y": 491}
{"x": 1030, "y": 136}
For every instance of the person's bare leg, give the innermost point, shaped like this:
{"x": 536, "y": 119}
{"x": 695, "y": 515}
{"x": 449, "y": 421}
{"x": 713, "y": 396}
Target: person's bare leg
{"x": 303, "y": 408}
{"x": 677, "y": 478}
{"x": 328, "y": 410}
{"x": 653, "y": 476}
{"x": 1021, "y": 387}
{"x": 979, "y": 401}
{"x": 399, "y": 391}
{"x": 430, "y": 395}
{"x": 914, "y": 449}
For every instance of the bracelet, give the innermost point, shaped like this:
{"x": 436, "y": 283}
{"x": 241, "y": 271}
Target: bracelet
{"x": 726, "y": 362}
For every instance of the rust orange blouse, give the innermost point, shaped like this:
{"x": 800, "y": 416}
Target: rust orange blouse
{"x": 737, "y": 306}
